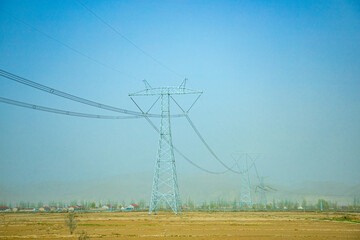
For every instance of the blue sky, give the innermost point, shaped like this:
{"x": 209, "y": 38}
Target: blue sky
{"x": 279, "y": 77}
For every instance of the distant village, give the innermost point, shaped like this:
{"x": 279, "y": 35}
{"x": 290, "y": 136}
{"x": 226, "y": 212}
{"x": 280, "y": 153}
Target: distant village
{"x": 104, "y": 208}
{"x": 188, "y": 205}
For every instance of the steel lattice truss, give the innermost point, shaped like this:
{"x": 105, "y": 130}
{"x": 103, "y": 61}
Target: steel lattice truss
{"x": 245, "y": 194}
{"x": 165, "y": 190}
{"x": 261, "y": 189}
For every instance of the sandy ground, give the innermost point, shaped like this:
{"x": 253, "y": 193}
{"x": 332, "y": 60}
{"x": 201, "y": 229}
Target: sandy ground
{"x": 190, "y": 225}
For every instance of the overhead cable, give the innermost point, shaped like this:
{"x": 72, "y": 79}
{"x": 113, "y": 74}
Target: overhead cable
{"x": 257, "y": 174}
{"x": 203, "y": 140}
{"x": 128, "y": 40}
{"x": 248, "y": 168}
{"x": 59, "y": 111}
{"x": 68, "y": 46}
{"x": 194, "y": 103}
{"x": 44, "y": 88}
{"x": 175, "y": 148}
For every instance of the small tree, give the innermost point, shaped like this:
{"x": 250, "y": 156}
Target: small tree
{"x": 22, "y": 204}
{"x": 281, "y": 204}
{"x": 234, "y": 204}
{"x": 322, "y": 205}
{"x": 40, "y": 204}
{"x": 142, "y": 204}
{"x": 61, "y": 204}
{"x": 190, "y": 203}
{"x": 212, "y": 205}
{"x": 333, "y": 205}
{"x": 71, "y": 222}
{"x": 304, "y": 203}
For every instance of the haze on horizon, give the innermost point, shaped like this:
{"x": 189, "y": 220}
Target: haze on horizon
{"x": 280, "y": 78}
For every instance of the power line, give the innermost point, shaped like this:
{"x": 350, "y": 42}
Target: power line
{"x": 175, "y": 148}
{"x": 30, "y": 83}
{"x": 96, "y": 104}
{"x": 203, "y": 140}
{"x": 129, "y": 41}
{"x": 68, "y": 46}
{"x": 44, "y": 88}
{"x": 237, "y": 160}
{"x": 207, "y": 145}
{"x": 64, "y": 112}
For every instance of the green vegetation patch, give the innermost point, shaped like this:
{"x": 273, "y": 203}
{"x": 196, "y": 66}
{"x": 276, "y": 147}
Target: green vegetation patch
{"x": 346, "y": 218}
{"x": 46, "y": 224}
{"x": 90, "y": 225}
{"x": 343, "y": 219}
{"x": 99, "y": 225}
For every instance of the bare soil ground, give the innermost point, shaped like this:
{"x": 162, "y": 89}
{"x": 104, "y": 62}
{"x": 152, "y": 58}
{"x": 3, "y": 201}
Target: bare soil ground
{"x": 190, "y": 225}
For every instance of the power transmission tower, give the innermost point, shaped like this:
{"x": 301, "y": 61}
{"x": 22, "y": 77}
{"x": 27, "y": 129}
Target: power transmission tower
{"x": 165, "y": 189}
{"x": 261, "y": 189}
{"x": 245, "y": 193}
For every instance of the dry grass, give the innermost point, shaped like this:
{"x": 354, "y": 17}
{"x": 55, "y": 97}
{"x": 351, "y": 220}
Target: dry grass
{"x": 190, "y": 225}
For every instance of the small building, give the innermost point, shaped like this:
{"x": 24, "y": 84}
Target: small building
{"x": 44, "y": 209}
{"x": 72, "y": 208}
{"x": 80, "y": 208}
{"x": 76, "y": 208}
{"x": 4, "y": 208}
{"x": 29, "y": 210}
{"x": 108, "y": 207}
{"x": 53, "y": 208}
{"x": 132, "y": 207}
{"x": 17, "y": 209}
{"x": 64, "y": 209}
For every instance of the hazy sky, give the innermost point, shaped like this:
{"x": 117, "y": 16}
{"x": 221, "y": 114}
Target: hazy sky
{"x": 281, "y": 78}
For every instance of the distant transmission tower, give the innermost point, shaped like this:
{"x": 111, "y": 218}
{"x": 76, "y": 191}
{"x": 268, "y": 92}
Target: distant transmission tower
{"x": 245, "y": 193}
{"x": 262, "y": 194}
{"x": 261, "y": 189}
{"x": 165, "y": 187}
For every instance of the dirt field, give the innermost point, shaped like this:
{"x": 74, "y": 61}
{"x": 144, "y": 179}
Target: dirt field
{"x": 190, "y": 225}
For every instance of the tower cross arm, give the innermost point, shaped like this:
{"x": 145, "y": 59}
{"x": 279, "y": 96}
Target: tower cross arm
{"x": 165, "y": 91}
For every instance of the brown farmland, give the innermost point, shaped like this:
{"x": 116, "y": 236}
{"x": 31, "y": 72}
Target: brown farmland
{"x": 190, "y": 225}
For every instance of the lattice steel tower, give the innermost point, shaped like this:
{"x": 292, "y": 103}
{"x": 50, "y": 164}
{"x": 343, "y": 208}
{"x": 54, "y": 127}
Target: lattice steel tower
{"x": 165, "y": 187}
{"x": 245, "y": 193}
{"x": 261, "y": 189}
